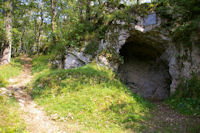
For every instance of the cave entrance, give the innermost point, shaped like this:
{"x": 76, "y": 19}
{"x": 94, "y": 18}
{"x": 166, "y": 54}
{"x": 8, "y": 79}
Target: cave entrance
{"x": 143, "y": 71}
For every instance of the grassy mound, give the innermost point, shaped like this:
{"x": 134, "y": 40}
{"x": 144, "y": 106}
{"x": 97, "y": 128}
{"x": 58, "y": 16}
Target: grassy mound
{"x": 91, "y": 96}
{"x": 10, "y": 121}
{"x": 11, "y": 70}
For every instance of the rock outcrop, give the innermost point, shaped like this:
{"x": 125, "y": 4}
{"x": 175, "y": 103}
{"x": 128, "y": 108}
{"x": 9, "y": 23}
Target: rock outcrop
{"x": 144, "y": 55}
{"x": 76, "y": 59}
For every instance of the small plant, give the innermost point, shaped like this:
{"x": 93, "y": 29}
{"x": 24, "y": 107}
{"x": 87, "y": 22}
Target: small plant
{"x": 3, "y": 82}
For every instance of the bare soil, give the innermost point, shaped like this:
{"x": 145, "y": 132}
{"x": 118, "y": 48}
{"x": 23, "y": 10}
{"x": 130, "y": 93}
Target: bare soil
{"x": 167, "y": 120}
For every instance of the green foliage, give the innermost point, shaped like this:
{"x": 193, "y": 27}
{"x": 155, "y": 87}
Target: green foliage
{"x": 184, "y": 32}
{"x": 15, "y": 38}
{"x": 10, "y": 122}
{"x": 91, "y": 96}
{"x": 92, "y": 47}
{"x": 183, "y": 17}
{"x": 187, "y": 98}
{"x": 2, "y": 33}
{"x": 10, "y": 70}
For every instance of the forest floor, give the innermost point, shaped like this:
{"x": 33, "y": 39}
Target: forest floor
{"x": 164, "y": 118}
{"x": 35, "y": 118}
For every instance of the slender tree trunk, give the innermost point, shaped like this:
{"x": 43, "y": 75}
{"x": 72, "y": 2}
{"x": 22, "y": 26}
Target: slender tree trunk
{"x": 36, "y": 26}
{"x": 138, "y": 2}
{"x": 88, "y": 11}
{"x": 19, "y": 49}
{"x": 81, "y": 10}
{"x": 40, "y": 30}
{"x": 99, "y": 2}
{"x": 6, "y": 52}
{"x": 53, "y": 4}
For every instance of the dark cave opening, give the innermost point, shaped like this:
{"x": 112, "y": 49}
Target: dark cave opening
{"x": 143, "y": 71}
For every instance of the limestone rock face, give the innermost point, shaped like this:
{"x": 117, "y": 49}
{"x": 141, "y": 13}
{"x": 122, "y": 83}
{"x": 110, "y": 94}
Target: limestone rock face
{"x": 146, "y": 58}
{"x": 144, "y": 55}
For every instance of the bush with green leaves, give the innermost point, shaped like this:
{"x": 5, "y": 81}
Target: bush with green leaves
{"x": 183, "y": 17}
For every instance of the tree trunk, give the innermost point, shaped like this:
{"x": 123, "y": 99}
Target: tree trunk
{"x": 53, "y": 4}
{"x": 81, "y": 10}
{"x": 40, "y": 30}
{"x": 99, "y": 2}
{"x": 88, "y": 11}
{"x": 6, "y": 52}
{"x": 19, "y": 49}
{"x": 138, "y": 2}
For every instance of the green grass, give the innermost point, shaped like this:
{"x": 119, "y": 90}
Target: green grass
{"x": 10, "y": 122}
{"x": 11, "y": 70}
{"x": 186, "y": 99}
{"x": 40, "y": 64}
{"x": 91, "y": 96}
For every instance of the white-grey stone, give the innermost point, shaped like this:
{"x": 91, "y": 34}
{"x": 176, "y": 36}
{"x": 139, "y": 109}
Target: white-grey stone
{"x": 76, "y": 59}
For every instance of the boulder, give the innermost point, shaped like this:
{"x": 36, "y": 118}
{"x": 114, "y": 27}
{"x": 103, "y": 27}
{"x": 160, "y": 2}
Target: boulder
{"x": 76, "y": 59}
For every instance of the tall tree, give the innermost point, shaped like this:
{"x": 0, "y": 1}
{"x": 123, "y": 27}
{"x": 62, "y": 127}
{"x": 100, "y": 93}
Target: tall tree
{"x": 6, "y": 50}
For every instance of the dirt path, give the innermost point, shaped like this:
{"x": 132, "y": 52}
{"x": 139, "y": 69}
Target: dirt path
{"x": 165, "y": 119}
{"x": 33, "y": 115}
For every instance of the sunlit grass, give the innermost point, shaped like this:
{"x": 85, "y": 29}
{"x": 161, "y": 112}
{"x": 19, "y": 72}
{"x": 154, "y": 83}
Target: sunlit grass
{"x": 40, "y": 64}
{"x": 10, "y": 121}
{"x": 91, "y": 96}
{"x": 11, "y": 70}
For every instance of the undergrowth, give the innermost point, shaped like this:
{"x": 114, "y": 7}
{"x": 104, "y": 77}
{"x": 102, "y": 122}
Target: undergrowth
{"x": 11, "y": 70}
{"x": 187, "y": 97}
{"x": 91, "y": 96}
